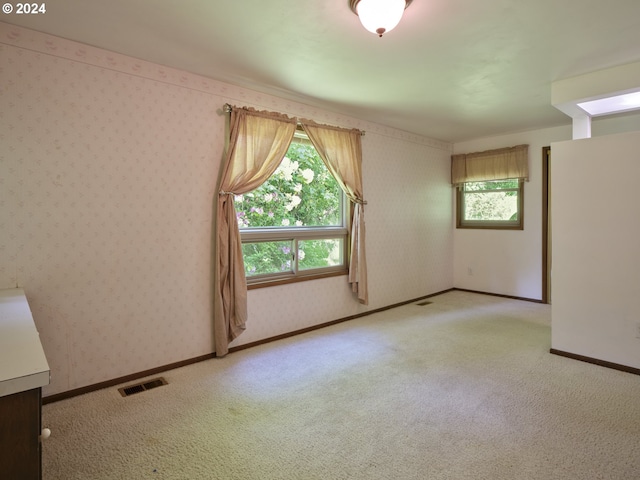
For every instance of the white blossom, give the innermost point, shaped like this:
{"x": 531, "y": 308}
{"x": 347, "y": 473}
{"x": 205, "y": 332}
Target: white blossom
{"x": 308, "y": 175}
{"x": 295, "y": 201}
{"x": 287, "y": 168}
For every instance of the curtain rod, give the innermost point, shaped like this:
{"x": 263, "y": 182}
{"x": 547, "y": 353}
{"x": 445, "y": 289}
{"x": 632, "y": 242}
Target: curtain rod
{"x": 227, "y": 108}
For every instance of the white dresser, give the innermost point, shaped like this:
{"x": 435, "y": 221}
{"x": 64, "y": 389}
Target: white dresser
{"x": 23, "y": 372}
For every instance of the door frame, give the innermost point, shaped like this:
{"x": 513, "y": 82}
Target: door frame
{"x": 546, "y": 240}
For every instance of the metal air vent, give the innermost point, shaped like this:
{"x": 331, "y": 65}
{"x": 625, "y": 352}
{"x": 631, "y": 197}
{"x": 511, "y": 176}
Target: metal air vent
{"x": 142, "y": 387}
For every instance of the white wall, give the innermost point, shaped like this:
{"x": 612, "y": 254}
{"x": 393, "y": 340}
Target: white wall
{"x": 596, "y": 239}
{"x": 510, "y": 262}
{"x": 108, "y": 167}
{"x": 620, "y": 123}
{"x": 507, "y": 262}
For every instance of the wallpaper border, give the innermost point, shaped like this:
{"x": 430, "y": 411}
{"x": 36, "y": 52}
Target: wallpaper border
{"x": 42, "y": 43}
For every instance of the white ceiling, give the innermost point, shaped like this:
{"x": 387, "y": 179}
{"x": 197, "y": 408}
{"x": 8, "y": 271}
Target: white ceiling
{"x": 452, "y": 70}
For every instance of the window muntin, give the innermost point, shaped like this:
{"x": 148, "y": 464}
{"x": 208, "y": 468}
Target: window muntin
{"x": 496, "y": 204}
{"x": 294, "y": 224}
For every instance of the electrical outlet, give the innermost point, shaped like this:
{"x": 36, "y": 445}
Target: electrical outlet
{"x": 637, "y": 329}
{"x": 470, "y": 271}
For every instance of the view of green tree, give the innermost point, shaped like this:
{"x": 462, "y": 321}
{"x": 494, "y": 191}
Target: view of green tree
{"x": 300, "y": 193}
{"x": 492, "y": 185}
{"x": 492, "y": 200}
{"x": 267, "y": 257}
{"x": 319, "y": 253}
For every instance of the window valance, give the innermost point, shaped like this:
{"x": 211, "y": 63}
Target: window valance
{"x": 511, "y": 162}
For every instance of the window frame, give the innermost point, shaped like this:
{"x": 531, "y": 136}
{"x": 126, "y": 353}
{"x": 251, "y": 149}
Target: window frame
{"x": 296, "y": 234}
{"x": 490, "y": 224}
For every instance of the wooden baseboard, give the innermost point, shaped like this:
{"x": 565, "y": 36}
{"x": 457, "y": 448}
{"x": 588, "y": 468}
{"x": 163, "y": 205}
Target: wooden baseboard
{"x": 595, "y": 361}
{"x": 525, "y": 299}
{"x": 154, "y": 371}
{"x": 333, "y": 322}
{"x": 127, "y": 378}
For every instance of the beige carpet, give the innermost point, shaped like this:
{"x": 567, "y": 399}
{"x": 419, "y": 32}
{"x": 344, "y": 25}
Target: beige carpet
{"x": 463, "y": 388}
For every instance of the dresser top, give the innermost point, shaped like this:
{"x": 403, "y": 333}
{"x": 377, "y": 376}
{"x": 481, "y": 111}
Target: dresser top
{"x": 23, "y": 365}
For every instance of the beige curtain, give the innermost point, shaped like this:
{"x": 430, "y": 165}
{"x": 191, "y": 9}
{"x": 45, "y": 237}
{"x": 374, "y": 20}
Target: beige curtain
{"x": 512, "y": 162}
{"x": 258, "y": 141}
{"x": 341, "y": 151}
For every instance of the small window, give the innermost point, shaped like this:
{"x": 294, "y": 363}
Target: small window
{"x": 294, "y": 226}
{"x": 494, "y": 204}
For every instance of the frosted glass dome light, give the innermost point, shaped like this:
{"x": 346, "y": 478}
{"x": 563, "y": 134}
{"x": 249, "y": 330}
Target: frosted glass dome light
{"x": 379, "y": 16}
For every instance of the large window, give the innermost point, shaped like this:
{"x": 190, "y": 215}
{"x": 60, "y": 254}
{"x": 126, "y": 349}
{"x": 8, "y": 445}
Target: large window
{"x": 490, "y": 204}
{"x": 294, "y": 225}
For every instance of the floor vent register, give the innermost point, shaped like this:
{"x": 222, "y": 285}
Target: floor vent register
{"x": 142, "y": 387}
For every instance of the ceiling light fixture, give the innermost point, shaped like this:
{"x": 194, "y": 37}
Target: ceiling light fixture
{"x": 379, "y": 16}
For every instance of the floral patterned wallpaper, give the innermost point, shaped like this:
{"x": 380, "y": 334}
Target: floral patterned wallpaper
{"x": 108, "y": 167}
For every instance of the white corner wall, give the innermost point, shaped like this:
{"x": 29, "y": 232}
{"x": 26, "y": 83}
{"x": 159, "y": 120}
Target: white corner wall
{"x": 596, "y": 244}
{"x": 507, "y": 262}
{"x": 510, "y": 262}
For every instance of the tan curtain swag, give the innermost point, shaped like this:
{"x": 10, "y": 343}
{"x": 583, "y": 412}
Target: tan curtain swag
{"x": 512, "y": 162}
{"x": 258, "y": 141}
{"x": 341, "y": 151}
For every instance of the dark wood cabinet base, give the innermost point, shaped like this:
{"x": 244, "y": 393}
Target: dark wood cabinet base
{"x": 20, "y": 428}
